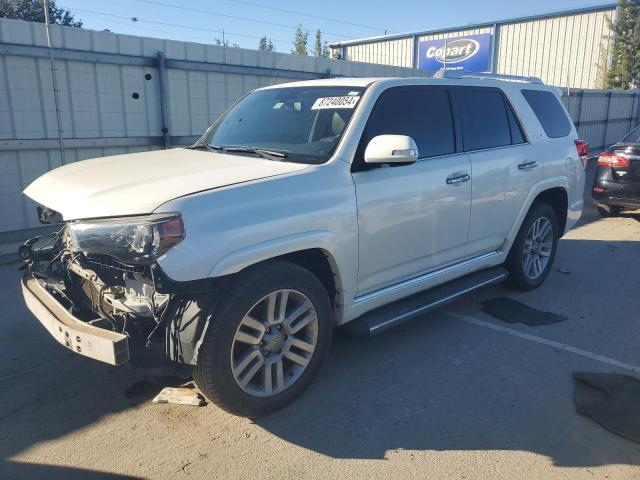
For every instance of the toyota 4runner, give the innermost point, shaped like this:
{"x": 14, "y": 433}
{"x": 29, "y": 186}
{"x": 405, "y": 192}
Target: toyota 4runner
{"x": 342, "y": 202}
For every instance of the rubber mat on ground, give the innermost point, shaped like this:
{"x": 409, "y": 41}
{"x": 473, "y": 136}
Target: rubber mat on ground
{"x": 512, "y": 311}
{"x": 612, "y": 400}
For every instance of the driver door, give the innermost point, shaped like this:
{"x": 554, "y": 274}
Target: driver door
{"x": 412, "y": 218}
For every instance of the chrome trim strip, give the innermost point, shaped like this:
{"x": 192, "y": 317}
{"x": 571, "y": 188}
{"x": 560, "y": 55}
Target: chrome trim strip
{"x": 443, "y": 300}
{"x": 423, "y": 277}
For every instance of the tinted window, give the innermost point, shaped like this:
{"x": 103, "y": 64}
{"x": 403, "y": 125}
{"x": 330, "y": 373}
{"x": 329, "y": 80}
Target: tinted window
{"x": 516, "y": 132}
{"x": 550, "y": 113}
{"x": 423, "y": 114}
{"x": 485, "y": 123}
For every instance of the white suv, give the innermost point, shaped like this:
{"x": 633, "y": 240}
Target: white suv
{"x": 305, "y": 206}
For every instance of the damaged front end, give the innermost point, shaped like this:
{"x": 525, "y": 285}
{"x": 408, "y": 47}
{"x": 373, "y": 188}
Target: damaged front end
{"x": 96, "y": 286}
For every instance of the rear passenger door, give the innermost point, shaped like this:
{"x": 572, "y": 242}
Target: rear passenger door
{"x": 504, "y": 166}
{"x": 412, "y": 218}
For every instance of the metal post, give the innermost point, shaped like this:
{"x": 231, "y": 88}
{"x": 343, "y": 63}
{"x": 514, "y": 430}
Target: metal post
{"x": 56, "y": 99}
{"x": 634, "y": 111}
{"x": 415, "y": 63}
{"x": 606, "y": 121}
{"x": 577, "y": 122}
{"x": 494, "y": 49}
{"x": 163, "y": 100}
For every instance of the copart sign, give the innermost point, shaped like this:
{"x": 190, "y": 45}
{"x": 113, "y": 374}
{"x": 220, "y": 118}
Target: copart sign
{"x": 469, "y": 54}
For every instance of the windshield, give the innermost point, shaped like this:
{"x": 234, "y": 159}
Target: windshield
{"x": 304, "y": 123}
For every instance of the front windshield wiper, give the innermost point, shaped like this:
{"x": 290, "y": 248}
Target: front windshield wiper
{"x": 205, "y": 146}
{"x": 264, "y": 153}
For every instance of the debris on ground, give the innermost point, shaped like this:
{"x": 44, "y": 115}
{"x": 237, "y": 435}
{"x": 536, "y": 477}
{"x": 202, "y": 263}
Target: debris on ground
{"x": 512, "y": 311}
{"x": 610, "y": 399}
{"x": 564, "y": 271}
{"x": 150, "y": 387}
{"x": 179, "y": 396}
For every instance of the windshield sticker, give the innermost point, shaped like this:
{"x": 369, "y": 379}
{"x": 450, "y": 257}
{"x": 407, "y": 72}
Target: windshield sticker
{"x": 335, "y": 102}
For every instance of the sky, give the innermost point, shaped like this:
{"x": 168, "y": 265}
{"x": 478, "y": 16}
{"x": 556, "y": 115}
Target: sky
{"x": 245, "y": 21}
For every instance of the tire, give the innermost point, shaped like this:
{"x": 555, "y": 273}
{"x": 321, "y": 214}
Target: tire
{"x": 524, "y": 275}
{"x": 221, "y": 350}
{"x": 609, "y": 211}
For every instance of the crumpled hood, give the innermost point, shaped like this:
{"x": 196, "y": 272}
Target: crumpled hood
{"x": 139, "y": 183}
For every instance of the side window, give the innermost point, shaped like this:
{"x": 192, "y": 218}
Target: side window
{"x": 485, "y": 123}
{"x": 546, "y": 106}
{"x": 422, "y": 113}
{"x": 516, "y": 132}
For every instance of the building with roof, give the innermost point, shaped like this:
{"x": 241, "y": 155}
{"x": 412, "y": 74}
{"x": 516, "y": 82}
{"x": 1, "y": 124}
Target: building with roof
{"x": 570, "y": 48}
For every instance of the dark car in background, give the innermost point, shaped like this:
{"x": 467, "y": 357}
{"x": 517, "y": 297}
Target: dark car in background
{"x": 616, "y": 186}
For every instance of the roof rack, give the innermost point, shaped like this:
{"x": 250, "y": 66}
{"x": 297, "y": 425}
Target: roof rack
{"x": 442, "y": 73}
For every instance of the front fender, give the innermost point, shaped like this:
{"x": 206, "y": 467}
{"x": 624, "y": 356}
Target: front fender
{"x": 275, "y": 247}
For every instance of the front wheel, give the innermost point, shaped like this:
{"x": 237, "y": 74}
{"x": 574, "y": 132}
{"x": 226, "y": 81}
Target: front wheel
{"x": 266, "y": 339}
{"x": 534, "y": 248}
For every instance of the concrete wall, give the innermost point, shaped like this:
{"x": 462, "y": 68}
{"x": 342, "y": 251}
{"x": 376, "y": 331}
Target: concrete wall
{"x": 109, "y": 90}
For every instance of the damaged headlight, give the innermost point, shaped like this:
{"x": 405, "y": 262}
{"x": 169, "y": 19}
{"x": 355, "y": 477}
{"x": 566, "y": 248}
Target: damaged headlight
{"x": 131, "y": 240}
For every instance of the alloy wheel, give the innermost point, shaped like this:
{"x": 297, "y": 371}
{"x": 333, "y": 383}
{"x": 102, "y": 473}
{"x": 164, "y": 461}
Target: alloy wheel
{"x": 537, "y": 249}
{"x": 274, "y": 343}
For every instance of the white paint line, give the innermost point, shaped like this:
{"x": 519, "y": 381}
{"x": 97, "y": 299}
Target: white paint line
{"x": 544, "y": 341}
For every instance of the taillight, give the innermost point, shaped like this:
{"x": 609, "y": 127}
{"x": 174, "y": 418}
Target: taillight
{"x": 582, "y": 146}
{"x": 611, "y": 159}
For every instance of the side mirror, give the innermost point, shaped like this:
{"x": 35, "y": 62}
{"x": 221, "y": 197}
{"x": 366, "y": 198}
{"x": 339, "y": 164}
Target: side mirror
{"x": 391, "y": 149}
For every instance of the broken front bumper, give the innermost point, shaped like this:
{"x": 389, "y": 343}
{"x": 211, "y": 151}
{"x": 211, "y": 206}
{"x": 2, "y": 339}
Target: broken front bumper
{"x": 85, "y": 339}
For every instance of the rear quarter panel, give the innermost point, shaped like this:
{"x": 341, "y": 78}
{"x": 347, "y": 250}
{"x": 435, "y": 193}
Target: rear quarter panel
{"x": 561, "y": 166}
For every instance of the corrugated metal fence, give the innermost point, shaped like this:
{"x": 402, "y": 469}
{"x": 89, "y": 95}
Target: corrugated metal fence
{"x": 603, "y": 116}
{"x": 118, "y": 94}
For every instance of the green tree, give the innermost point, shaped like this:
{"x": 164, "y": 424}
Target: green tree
{"x": 300, "y": 42}
{"x": 32, "y": 11}
{"x": 320, "y": 49}
{"x": 317, "y": 47}
{"x": 266, "y": 45}
{"x": 625, "y": 62}
{"x": 225, "y": 43}
{"x": 326, "y": 53}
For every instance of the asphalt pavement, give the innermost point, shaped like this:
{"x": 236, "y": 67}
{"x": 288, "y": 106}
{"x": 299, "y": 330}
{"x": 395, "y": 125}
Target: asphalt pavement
{"x": 455, "y": 394}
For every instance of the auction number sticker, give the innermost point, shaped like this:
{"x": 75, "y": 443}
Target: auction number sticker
{"x": 335, "y": 102}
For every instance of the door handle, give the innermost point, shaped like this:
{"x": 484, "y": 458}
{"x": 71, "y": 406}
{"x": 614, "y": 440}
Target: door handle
{"x": 458, "y": 178}
{"x": 528, "y": 165}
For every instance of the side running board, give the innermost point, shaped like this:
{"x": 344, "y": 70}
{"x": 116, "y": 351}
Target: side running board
{"x": 388, "y": 316}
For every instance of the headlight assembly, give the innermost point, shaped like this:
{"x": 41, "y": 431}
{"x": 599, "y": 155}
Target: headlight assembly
{"x": 132, "y": 239}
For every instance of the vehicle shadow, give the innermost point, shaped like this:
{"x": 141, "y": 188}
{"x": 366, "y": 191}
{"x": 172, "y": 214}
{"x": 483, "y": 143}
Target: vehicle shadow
{"x": 433, "y": 384}
{"x": 54, "y": 472}
{"x": 439, "y": 384}
{"x": 421, "y": 388}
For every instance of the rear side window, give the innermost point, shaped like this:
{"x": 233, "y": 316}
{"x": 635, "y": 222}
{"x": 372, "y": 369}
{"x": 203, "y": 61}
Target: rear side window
{"x": 485, "y": 123}
{"x": 424, "y": 114}
{"x": 516, "y": 132}
{"x": 550, "y": 113}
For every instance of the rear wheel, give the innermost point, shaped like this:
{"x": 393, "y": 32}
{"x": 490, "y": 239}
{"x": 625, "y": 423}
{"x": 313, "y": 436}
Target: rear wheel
{"x": 609, "y": 211}
{"x": 266, "y": 340}
{"x": 534, "y": 248}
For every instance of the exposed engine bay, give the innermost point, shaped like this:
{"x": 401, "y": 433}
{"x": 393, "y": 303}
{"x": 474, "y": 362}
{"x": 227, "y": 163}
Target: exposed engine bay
{"x": 133, "y": 299}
